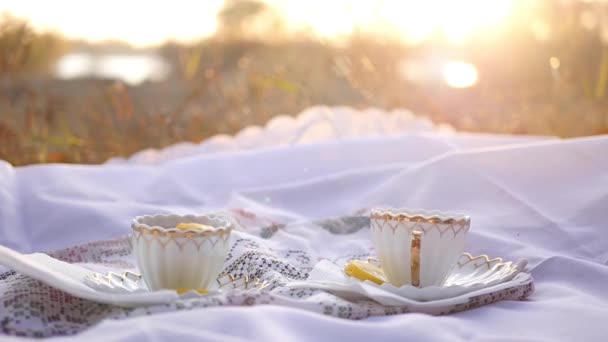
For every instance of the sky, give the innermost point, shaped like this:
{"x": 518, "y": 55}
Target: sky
{"x": 138, "y": 22}
{"x": 147, "y": 23}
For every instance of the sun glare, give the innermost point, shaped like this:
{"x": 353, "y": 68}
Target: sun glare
{"x": 153, "y": 22}
{"x": 459, "y": 74}
{"x": 457, "y": 20}
{"x": 136, "y": 22}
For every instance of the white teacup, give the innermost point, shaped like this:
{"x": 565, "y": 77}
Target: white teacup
{"x": 176, "y": 258}
{"x": 418, "y": 247}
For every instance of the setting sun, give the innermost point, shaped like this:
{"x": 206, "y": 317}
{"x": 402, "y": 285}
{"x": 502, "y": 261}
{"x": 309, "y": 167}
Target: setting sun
{"x": 459, "y": 74}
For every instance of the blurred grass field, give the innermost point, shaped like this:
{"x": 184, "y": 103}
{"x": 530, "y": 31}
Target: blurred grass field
{"x": 527, "y": 85}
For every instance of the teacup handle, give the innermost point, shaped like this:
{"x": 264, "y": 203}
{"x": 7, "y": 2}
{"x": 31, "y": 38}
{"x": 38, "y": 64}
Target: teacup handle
{"x": 415, "y": 258}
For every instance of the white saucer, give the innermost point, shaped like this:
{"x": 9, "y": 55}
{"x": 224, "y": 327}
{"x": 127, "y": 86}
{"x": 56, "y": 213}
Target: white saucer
{"x": 471, "y": 276}
{"x": 129, "y": 282}
{"x": 117, "y": 287}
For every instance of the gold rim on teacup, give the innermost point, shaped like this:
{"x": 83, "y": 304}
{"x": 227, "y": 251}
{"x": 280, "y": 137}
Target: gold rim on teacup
{"x": 419, "y": 215}
{"x": 221, "y": 225}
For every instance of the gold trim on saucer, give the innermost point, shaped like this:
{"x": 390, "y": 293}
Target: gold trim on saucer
{"x": 486, "y": 261}
{"x": 498, "y": 266}
{"x": 245, "y": 282}
{"x": 129, "y": 282}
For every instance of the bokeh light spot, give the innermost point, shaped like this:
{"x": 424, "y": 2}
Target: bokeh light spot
{"x": 458, "y": 74}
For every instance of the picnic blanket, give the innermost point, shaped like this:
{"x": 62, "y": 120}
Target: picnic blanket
{"x": 301, "y": 192}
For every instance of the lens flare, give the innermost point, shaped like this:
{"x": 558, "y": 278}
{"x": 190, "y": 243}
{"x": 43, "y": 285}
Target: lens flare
{"x": 458, "y": 74}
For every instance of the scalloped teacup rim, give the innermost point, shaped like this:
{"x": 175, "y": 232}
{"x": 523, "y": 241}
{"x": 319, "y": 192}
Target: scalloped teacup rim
{"x": 389, "y": 212}
{"x": 220, "y": 222}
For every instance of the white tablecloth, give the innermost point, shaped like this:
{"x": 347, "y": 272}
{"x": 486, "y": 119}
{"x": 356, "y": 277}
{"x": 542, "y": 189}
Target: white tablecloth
{"x": 541, "y": 198}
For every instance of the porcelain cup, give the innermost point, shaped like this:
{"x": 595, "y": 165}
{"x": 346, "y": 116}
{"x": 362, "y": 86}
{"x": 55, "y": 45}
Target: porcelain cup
{"x": 418, "y": 247}
{"x": 180, "y": 259}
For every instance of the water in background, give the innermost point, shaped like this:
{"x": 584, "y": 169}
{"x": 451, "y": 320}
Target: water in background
{"x": 130, "y": 68}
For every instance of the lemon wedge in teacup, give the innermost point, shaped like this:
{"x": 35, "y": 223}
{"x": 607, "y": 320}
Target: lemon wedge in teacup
{"x": 363, "y": 270}
{"x": 193, "y": 226}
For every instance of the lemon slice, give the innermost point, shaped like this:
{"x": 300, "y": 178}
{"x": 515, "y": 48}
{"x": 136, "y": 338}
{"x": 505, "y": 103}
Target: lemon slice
{"x": 192, "y": 225}
{"x": 182, "y": 291}
{"x": 363, "y": 270}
